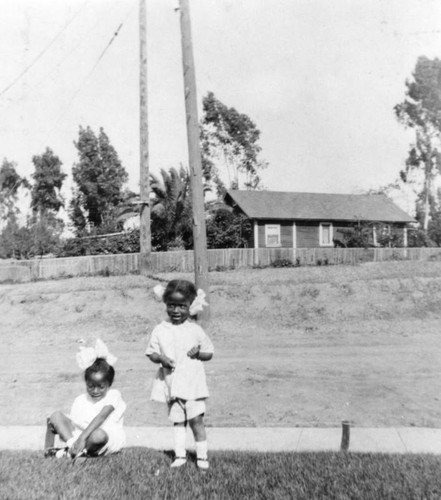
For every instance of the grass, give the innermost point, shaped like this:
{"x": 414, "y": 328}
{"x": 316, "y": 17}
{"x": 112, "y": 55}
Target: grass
{"x": 139, "y": 473}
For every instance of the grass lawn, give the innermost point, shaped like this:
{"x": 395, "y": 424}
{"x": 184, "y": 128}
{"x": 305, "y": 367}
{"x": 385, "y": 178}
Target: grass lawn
{"x": 145, "y": 474}
{"x": 294, "y": 347}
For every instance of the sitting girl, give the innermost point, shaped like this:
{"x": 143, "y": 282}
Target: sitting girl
{"x": 95, "y": 424}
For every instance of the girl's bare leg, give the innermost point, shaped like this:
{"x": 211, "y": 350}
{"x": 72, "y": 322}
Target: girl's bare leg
{"x": 96, "y": 441}
{"x": 49, "y": 439}
{"x": 58, "y": 423}
{"x": 198, "y": 428}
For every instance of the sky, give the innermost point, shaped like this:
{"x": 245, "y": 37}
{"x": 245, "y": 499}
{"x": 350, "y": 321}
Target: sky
{"x": 319, "y": 78}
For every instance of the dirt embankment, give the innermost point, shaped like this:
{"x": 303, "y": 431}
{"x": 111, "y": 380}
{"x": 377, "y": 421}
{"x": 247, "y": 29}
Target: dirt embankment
{"x": 293, "y": 346}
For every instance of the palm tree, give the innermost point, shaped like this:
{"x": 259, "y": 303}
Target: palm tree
{"x": 171, "y": 213}
{"x": 171, "y": 209}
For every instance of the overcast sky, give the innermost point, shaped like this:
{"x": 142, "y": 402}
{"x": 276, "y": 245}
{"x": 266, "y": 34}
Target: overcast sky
{"x": 320, "y": 79}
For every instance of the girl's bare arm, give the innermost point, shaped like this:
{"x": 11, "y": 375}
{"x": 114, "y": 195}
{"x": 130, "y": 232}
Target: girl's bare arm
{"x": 164, "y": 360}
{"x": 195, "y": 353}
{"x": 96, "y": 423}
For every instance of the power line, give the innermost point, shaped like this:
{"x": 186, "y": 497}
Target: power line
{"x": 66, "y": 56}
{"x": 41, "y": 54}
{"x": 100, "y": 57}
{"x": 106, "y": 48}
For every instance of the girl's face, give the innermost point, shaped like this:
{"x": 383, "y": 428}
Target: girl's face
{"x": 178, "y": 308}
{"x": 97, "y": 385}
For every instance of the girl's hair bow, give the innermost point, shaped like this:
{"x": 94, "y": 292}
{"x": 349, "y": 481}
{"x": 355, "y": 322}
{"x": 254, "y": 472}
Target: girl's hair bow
{"x": 159, "y": 290}
{"x": 198, "y": 303}
{"x": 88, "y": 355}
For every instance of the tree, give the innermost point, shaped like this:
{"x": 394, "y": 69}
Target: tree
{"x": 40, "y": 236}
{"x": 421, "y": 111}
{"x": 228, "y": 229}
{"x": 44, "y": 235}
{"x": 171, "y": 210}
{"x": 10, "y": 182}
{"x": 48, "y": 180}
{"x": 229, "y": 140}
{"x": 99, "y": 177}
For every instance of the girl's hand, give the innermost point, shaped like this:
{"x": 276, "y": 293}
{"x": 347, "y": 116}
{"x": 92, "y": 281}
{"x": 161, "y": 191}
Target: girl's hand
{"x": 78, "y": 446}
{"x": 167, "y": 363}
{"x": 193, "y": 353}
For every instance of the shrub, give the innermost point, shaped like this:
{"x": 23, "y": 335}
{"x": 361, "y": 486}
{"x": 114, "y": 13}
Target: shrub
{"x": 282, "y": 263}
{"x": 322, "y": 262}
{"x": 120, "y": 243}
{"x": 226, "y": 229}
{"x": 219, "y": 268}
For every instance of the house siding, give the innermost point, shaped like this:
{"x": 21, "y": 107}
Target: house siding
{"x": 307, "y": 234}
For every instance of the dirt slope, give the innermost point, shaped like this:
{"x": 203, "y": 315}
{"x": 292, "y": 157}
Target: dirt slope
{"x": 307, "y": 346}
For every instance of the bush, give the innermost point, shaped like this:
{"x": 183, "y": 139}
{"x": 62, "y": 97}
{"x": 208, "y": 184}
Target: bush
{"x": 418, "y": 238}
{"x": 219, "y": 268}
{"x": 282, "y": 263}
{"x": 121, "y": 243}
{"x": 226, "y": 229}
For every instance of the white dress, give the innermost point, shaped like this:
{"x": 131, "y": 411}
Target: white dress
{"x": 85, "y": 409}
{"x": 187, "y": 381}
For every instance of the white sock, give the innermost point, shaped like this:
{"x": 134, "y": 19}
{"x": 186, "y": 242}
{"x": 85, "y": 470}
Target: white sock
{"x": 201, "y": 450}
{"x": 70, "y": 442}
{"x": 180, "y": 439}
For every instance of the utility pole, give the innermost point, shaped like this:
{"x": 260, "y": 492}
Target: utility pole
{"x": 145, "y": 236}
{"x": 194, "y": 156}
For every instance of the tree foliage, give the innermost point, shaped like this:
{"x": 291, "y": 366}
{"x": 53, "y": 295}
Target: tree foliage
{"x": 229, "y": 142}
{"x": 48, "y": 180}
{"x": 171, "y": 214}
{"x": 127, "y": 242}
{"x": 361, "y": 234}
{"x": 421, "y": 111}
{"x": 228, "y": 229}
{"x": 10, "y": 183}
{"x": 40, "y": 236}
{"x": 99, "y": 177}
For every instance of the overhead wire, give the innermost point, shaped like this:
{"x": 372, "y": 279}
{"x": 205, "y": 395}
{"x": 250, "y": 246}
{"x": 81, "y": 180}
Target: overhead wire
{"x": 41, "y": 54}
{"x": 66, "y": 55}
{"x": 100, "y": 57}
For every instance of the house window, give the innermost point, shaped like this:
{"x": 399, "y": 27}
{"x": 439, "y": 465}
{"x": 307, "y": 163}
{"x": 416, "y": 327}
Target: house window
{"x": 272, "y": 235}
{"x": 326, "y": 235}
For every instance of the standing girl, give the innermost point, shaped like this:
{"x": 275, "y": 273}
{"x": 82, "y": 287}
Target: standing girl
{"x": 180, "y": 346}
{"x": 95, "y": 424}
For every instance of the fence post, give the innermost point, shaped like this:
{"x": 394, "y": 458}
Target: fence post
{"x": 345, "y": 435}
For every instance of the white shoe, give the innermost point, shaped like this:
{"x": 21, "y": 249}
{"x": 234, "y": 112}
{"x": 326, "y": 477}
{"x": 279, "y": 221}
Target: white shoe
{"x": 178, "y": 462}
{"x": 202, "y": 463}
{"x": 63, "y": 453}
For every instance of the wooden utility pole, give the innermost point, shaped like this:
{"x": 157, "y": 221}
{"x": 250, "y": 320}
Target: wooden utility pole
{"x": 145, "y": 236}
{"x": 194, "y": 156}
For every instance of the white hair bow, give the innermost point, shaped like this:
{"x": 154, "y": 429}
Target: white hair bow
{"x": 159, "y": 290}
{"x": 198, "y": 303}
{"x": 88, "y": 355}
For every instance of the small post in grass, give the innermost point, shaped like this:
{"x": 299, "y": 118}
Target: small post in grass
{"x": 345, "y": 435}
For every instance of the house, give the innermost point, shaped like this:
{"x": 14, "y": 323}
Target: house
{"x": 308, "y": 220}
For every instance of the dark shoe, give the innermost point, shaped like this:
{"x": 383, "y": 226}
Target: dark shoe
{"x": 51, "y": 452}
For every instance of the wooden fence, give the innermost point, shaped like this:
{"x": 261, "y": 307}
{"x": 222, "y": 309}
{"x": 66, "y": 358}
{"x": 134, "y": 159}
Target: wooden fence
{"x": 222, "y": 259}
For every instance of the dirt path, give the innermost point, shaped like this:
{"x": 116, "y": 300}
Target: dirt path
{"x": 294, "y": 347}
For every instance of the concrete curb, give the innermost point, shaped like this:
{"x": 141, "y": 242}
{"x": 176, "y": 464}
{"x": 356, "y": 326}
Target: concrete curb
{"x": 262, "y": 439}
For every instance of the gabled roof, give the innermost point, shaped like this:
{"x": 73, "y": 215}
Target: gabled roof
{"x": 316, "y": 206}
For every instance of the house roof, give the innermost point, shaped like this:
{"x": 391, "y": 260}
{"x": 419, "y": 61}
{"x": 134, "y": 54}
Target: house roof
{"x": 316, "y": 206}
